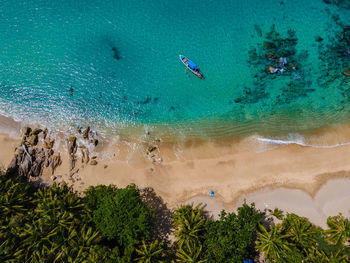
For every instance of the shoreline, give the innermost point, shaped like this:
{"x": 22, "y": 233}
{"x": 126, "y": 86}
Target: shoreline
{"x": 180, "y": 173}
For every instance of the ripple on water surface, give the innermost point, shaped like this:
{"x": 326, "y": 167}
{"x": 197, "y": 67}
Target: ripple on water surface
{"x": 114, "y": 65}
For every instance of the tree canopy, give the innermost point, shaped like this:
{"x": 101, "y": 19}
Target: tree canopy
{"x": 121, "y": 216}
{"x": 110, "y": 224}
{"x": 231, "y": 238}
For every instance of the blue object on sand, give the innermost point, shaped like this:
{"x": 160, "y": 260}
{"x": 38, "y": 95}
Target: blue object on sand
{"x": 212, "y": 193}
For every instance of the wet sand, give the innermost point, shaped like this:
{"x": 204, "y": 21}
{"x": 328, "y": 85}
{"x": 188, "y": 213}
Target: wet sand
{"x": 292, "y": 177}
{"x": 332, "y": 198}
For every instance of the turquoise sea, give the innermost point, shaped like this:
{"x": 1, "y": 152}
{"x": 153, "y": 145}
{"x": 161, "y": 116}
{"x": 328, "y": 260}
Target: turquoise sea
{"x": 114, "y": 65}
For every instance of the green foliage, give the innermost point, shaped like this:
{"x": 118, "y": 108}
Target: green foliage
{"x": 45, "y": 224}
{"x": 190, "y": 252}
{"x": 122, "y": 217}
{"x": 278, "y": 213}
{"x": 300, "y": 232}
{"x": 231, "y": 238}
{"x": 94, "y": 194}
{"x": 54, "y": 224}
{"x": 298, "y": 240}
{"x": 293, "y": 256}
{"x": 339, "y": 229}
{"x": 189, "y": 224}
{"x": 151, "y": 253}
{"x": 273, "y": 243}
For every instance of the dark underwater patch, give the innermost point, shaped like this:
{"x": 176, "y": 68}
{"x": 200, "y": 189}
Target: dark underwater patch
{"x": 115, "y": 53}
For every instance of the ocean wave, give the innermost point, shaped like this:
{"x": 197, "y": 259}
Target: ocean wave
{"x": 300, "y": 140}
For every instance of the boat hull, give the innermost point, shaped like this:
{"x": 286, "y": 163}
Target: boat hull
{"x": 185, "y": 61}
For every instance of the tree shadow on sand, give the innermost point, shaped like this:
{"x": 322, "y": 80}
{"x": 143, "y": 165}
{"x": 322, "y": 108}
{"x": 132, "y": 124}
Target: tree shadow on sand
{"x": 163, "y": 221}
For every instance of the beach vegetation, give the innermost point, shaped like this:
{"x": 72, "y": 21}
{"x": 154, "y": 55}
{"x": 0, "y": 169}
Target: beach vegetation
{"x": 272, "y": 243}
{"x": 152, "y": 252}
{"x": 300, "y": 232}
{"x": 122, "y": 219}
{"x": 189, "y": 224}
{"x": 110, "y": 224}
{"x": 339, "y": 229}
{"x": 231, "y": 237}
{"x": 278, "y": 213}
{"x": 190, "y": 252}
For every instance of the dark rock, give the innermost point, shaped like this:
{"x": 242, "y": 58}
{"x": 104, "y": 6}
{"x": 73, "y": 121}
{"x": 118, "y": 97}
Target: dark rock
{"x": 33, "y": 140}
{"x": 105, "y": 166}
{"x": 152, "y": 148}
{"x": 238, "y": 100}
{"x": 19, "y": 151}
{"x": 35, "y": 131}
{"x": 35, "y": 169}
{"x": 27, "y": 131}
{"x": 115, "y": 53}
{"x": 50, "y": 152}
{"x": 82, "y": 155}
{"x": 56, "y": 161}
{"x": 49, "y": 144}
{"x": 24, "y": 167}
{"x": 31, "y": 150}
{"x": 319, "y": 39}
{"x": 71, "y": 162}
{"x": 269, "y": 45}
{"x": 86, "y": 132}
{"x": 93, "y": 162}
{"x": 95, "y": 142}
{"x": 45, "y": 132}
{"x": 72, "y": 145}
{"x": 146, "y": 101}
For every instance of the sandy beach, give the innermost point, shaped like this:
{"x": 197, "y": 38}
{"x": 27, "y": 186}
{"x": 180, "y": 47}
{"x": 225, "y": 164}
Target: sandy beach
{"x": 311, "y": 181}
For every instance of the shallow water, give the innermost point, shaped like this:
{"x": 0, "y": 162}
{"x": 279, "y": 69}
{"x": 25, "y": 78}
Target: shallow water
{"x": 114, "y": 65}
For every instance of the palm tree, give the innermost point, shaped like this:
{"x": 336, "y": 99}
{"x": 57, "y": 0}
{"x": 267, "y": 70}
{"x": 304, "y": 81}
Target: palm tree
{"x": 273, "y": 244}
{"x": 300, "y": 232}
{"x": 150, "y": 253}
{"x": 339, "y": 229}
{"x": 81, "y": 245}
{"x": 278, "y": 213}
{"x": 14, "y": 199}
{"x": 189, "y": 224}
{"x": 190, "y": 252}
{"x": 337, "y": 256}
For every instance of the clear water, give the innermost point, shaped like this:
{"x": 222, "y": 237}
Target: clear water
{"x": 114, "y": 65}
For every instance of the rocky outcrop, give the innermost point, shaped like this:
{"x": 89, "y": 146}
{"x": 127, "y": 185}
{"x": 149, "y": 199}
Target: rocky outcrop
{"x": 36, "y": 154}
{"x": 86, "y": 133}
{"x": 30, "y": 159}
{"x": 72, "y": 149}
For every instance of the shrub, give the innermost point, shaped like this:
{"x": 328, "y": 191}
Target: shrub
{"x": 122, "y": 217}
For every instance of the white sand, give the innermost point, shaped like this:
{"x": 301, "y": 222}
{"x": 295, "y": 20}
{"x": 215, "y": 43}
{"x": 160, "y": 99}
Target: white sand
{"x": 332, "y": 198}
{"x": 287, "y": 176}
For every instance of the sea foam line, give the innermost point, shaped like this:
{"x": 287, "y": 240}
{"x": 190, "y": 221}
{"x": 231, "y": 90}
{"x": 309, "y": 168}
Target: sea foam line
{"x": 286, "y": 142}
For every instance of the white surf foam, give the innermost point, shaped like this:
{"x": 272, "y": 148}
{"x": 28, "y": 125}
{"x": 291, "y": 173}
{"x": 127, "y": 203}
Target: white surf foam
{"x": 299, "y": 140}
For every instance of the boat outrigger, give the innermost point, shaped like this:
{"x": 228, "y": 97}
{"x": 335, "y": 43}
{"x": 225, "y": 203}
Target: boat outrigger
{"x": 191, "y": 66}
